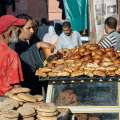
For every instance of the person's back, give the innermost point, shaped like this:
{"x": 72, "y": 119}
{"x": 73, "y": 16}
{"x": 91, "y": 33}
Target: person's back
{"x": 51, "y": 36}
{"x": 117, "y": 46}
{"x": 42, "y": 29}
{"x": 112, "y": 37}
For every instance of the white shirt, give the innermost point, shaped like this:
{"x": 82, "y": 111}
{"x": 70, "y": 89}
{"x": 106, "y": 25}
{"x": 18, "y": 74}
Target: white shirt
{"x": 71, "y": 41}
{"x": 51, "y": 37}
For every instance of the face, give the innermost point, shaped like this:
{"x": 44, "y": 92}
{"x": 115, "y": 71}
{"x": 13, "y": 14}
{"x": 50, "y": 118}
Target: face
{"x": 15, "y": 34}
{"x": 67, "y": 31}
{"x": 27, "y": 31}
{"x": 11, "y": 35}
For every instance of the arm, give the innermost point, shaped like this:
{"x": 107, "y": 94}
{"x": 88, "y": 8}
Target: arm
{"x": 46, "y": 47}
{"x": 79, "y": 39}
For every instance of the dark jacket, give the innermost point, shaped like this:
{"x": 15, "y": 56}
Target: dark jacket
{"x": 31, "y": 59}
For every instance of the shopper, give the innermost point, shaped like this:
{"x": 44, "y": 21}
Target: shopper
{"x": 51, "y": 36}
{"x": 31, "y": 57}
{"x": 10, "y": 66}
{"x": 43, "y": 28}
{"x": 112, "y": 36}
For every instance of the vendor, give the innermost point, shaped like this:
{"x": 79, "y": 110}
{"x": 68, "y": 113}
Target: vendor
{"x": 10, "y": 66}
{"x": 68, "y": 38}
{"x": 112, "y": 36}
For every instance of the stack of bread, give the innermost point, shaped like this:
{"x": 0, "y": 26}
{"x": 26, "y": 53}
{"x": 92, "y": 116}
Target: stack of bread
{"x": 89, "y": 59}
{"x": 47, "y": 112}
{"x": 27, "y": 112}
{"x": 9, "y": 115}
{"x": 19, "y": 104}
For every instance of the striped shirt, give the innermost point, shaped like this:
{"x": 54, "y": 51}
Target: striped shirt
{"x": 110, "y": 40}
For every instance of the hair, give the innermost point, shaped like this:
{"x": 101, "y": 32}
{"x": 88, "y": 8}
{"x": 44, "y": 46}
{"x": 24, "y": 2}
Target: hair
{"x": 111, "y": 22}
{"x": 24, "y": 16}
{"x": 44, "y": 21}
{"x": 7, "y": 33}
{"x": 66, "y": 24}
{"x": 35, "y": 25}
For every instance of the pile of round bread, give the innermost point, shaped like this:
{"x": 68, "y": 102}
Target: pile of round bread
{"x": 89, "y": 59}
{"x": 20, "y": 105}
{"x": 47, "y": 111}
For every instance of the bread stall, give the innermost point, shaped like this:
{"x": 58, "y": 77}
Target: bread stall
{"x": 85, "y": 80}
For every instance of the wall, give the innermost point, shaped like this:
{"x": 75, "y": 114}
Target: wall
{"x": 53, "y": 10}
{"x": 36, "y": 8}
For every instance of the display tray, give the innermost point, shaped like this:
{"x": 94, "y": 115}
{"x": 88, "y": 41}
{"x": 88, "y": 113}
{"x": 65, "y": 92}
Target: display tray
{"x": 81, "y": 79}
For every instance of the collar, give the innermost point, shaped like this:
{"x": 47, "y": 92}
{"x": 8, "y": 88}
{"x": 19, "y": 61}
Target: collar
{"x": 111, "y": 32}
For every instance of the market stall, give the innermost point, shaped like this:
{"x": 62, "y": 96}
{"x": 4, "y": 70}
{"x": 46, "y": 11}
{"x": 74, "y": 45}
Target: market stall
{"x": 85, "y": 80}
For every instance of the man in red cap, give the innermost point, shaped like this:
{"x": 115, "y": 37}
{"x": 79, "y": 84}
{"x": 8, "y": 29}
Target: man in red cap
{"x": 10, "y": 66}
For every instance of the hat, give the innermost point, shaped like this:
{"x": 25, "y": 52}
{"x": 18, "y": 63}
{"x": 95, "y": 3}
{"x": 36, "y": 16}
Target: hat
{"x": 7, "y": 21}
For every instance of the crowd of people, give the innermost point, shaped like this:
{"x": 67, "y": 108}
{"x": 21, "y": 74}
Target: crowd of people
{"x": 25, "y": 44}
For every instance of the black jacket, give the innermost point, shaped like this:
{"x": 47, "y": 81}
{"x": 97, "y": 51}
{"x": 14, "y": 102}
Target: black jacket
{"x": 31, "y": 59}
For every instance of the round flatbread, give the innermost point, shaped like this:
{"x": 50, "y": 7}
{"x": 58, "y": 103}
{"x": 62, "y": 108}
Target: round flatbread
{"x": 38, "y": 98}
{"x": 46, "y": 118}
{"x": 46, "y": 114}
{"x": 28, "y": 104}
{"x": 15, "y": 97}
{"x": 26, "y": 111}
{"x": 9, "y": 101}
{"x": 3, "y": 118}
{"x": 20, "y": 90}
{"x": 46, "y": 107}
{"x": 11, "y": 114}
{"x": 30, "y": 118}
{"x": 8, "y": 105}
{"x": 26, "y": 97}
{"x": 7, "y": 108}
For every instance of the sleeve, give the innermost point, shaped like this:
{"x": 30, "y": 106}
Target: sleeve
{"x": 14, "y": 71}
{"x": 79, "y": 39}
{"x": 105, "y": 42}
{"x": 45, "y": 38}
{"x": 32, "y": 58}
{"x": 58, "y": 44}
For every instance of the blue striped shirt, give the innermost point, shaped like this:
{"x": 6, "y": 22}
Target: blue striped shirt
{"x": 110, "y": 40}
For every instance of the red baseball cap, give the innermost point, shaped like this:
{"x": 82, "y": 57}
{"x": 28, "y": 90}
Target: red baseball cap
{"x": 7, "y": 21}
